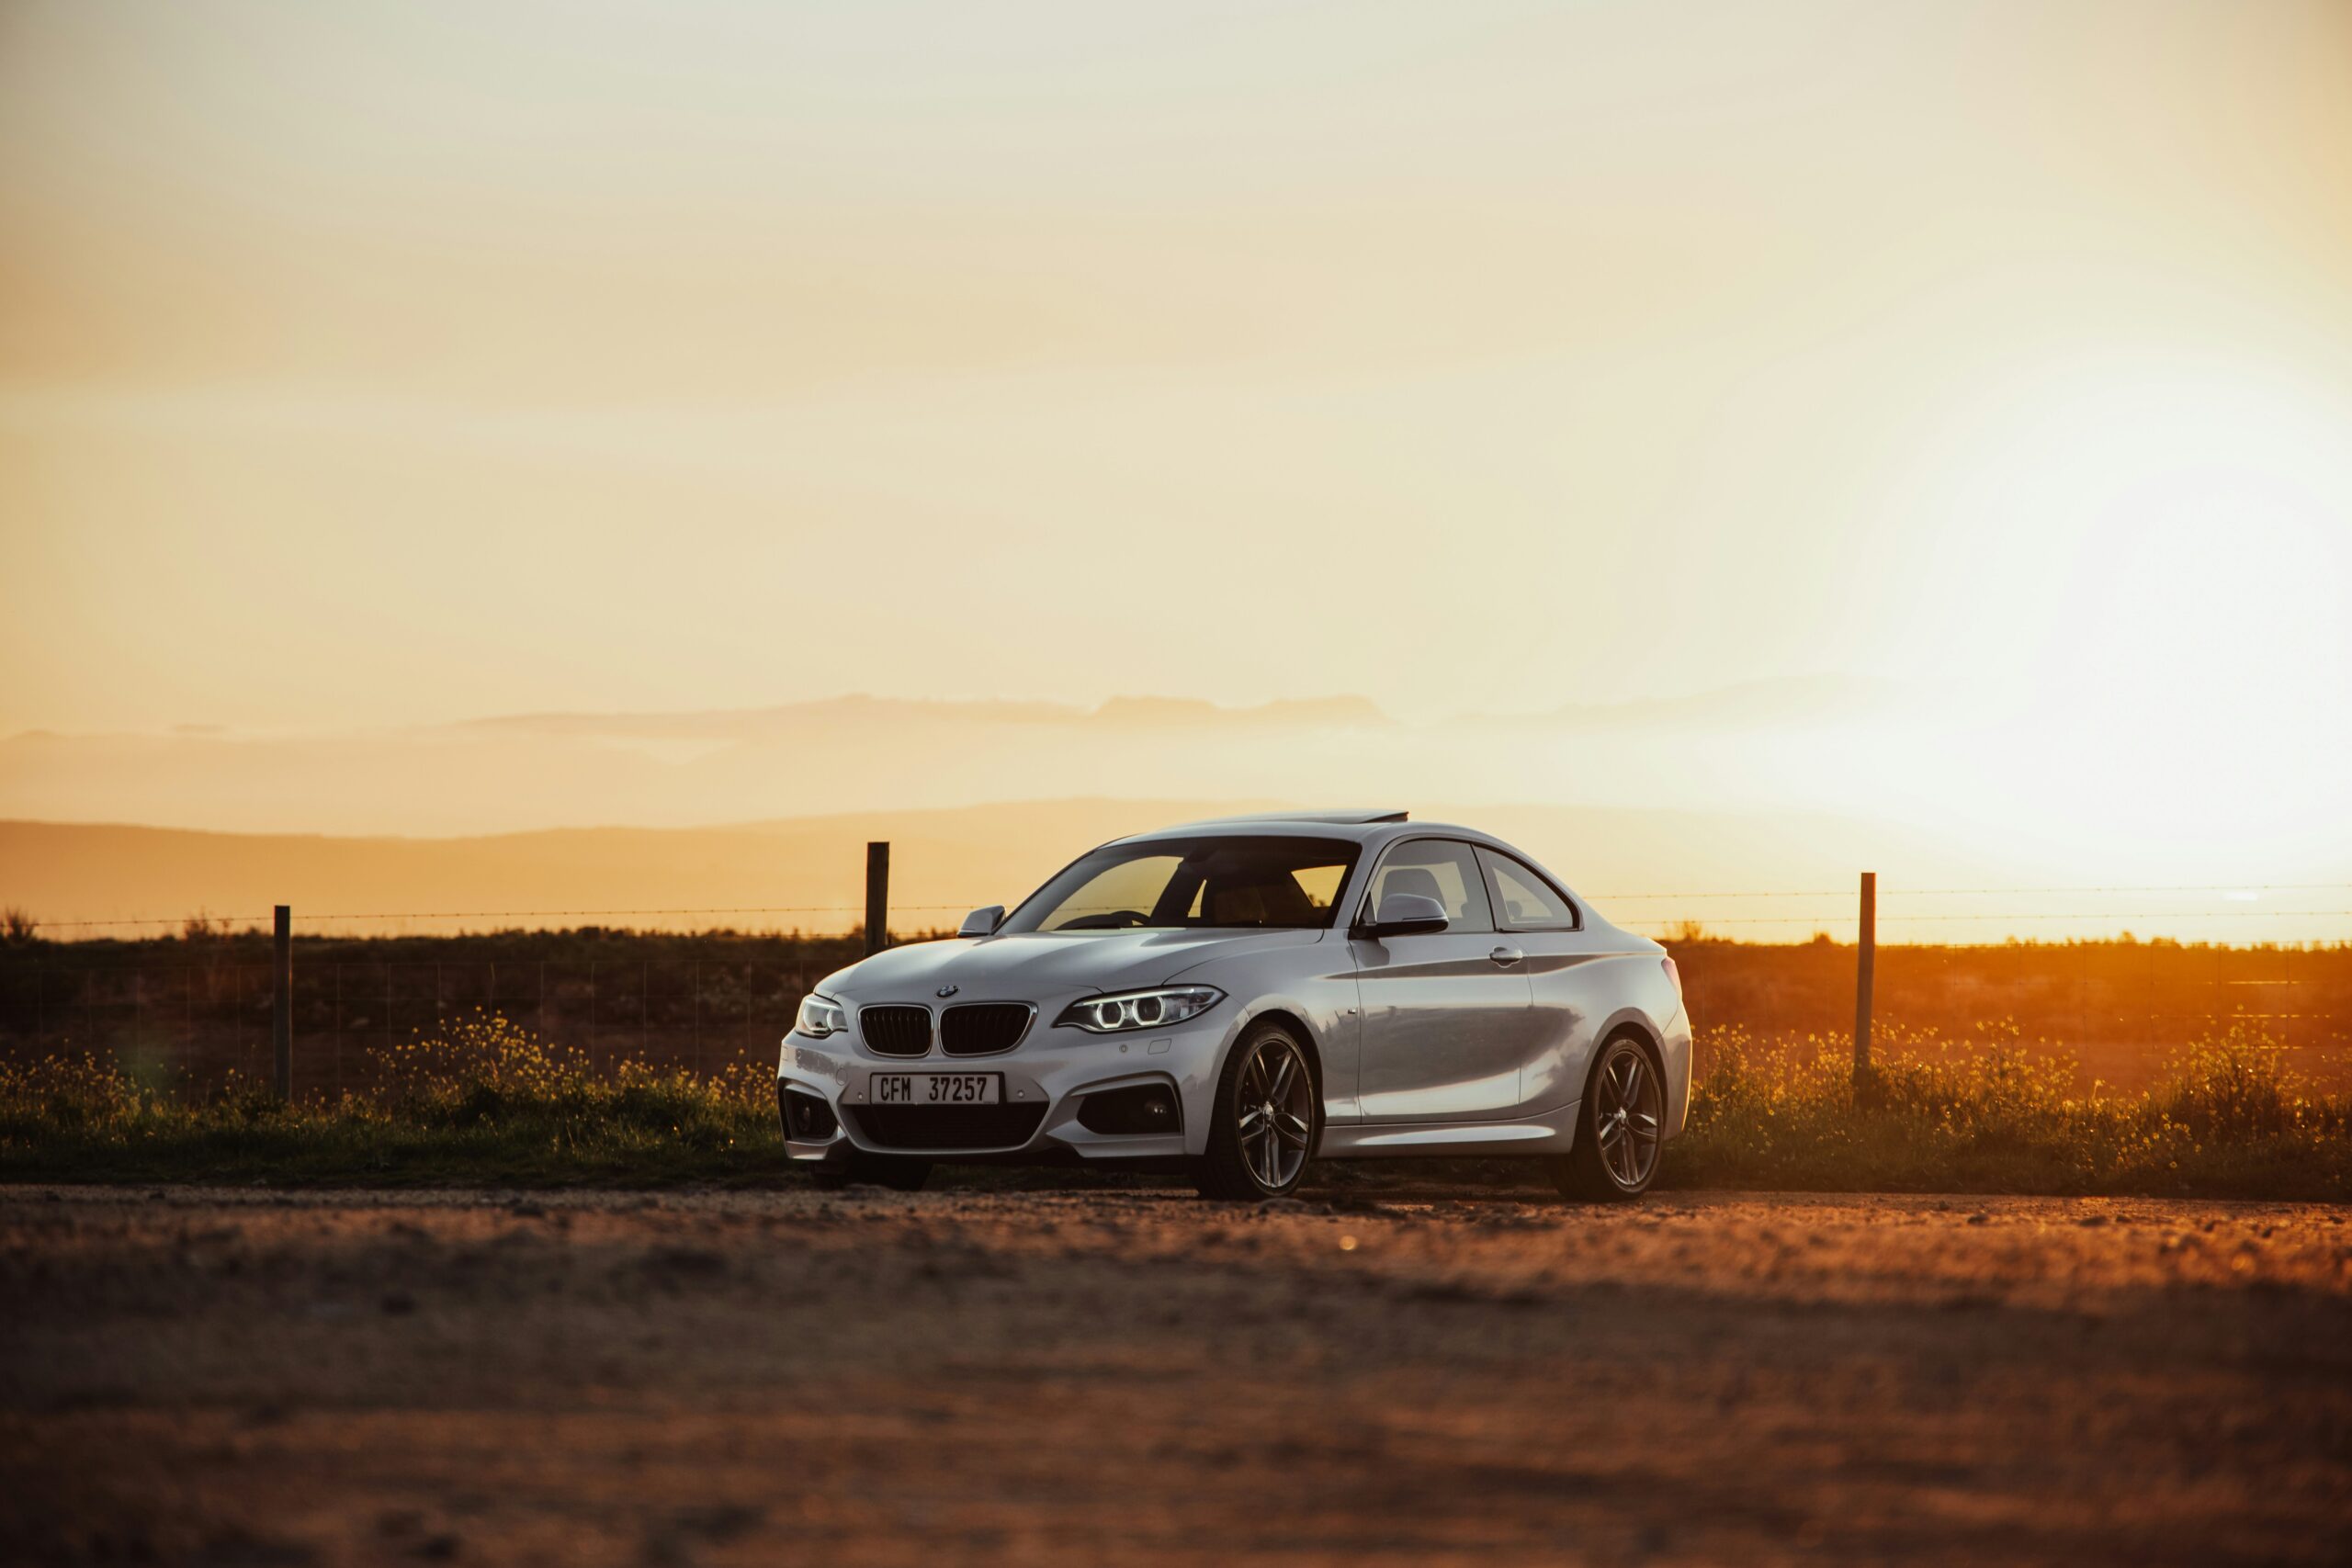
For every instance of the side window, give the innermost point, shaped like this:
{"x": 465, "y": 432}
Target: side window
{"x": 1524, "y": 900}
{"x": 1440, "y": 869}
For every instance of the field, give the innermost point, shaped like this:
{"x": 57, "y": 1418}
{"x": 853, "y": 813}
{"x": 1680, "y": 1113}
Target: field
{"x": 2111, "y": 1011}
{"x": 190, "y": 1010}
{"x": 504, "y": 1071}
{"x": 1135, "y": 1377}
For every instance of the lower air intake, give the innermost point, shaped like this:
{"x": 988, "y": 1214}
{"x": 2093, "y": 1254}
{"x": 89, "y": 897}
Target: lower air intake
{"x": 945, "y": 1126}
{"x": 805, "y": 1117}
{"x": 1146, "y": 1108}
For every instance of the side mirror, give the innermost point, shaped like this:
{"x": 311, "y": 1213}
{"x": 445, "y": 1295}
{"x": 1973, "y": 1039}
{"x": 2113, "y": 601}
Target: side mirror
{"x": 1406, "y": 914}
{"x": 980, "y": 923}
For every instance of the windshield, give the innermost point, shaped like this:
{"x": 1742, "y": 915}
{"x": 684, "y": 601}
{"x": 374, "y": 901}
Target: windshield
{"x": 1179, "y": 884}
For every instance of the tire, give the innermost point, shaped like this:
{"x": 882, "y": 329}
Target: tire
{"x": 898, "y": 1172}
{"x": 1613, "y": 1159}
{"x": 1270, "y": 1093}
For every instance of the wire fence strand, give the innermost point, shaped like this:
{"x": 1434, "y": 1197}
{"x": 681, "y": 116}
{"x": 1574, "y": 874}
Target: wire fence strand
{"x": 710, "y": 1001}
{"x": 1890, "y": 894}
{"x": 301, "y": 916}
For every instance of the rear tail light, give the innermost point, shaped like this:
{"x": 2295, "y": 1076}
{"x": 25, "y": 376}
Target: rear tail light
{"x": 1673, "y": 974}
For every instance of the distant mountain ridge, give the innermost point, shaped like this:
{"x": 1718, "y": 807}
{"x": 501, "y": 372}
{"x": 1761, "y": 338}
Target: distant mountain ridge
{"x": 808, "y": 872}
{"x": 1744, "y": 702}
{"x": 518, "y": 772}
{"x": 859, "y": 708}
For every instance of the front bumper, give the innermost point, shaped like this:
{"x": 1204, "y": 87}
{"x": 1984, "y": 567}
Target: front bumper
{"x": 1048, "y": 1078}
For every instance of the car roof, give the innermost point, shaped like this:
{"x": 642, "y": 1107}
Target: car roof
{"x": 1363, "y": 827}
{"x": 1345, "y": 818}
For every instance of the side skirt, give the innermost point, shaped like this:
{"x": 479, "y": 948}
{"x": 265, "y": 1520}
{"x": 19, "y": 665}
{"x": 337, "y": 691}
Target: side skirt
{"x": 1553, "y": 1133}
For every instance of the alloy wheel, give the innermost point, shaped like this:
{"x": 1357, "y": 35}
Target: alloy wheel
{"x": 1627, "y": 1108}
{"x": 1275, "y": 1111}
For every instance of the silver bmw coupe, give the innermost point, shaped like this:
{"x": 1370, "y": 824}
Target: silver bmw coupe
{"x": 1235, "y": 999}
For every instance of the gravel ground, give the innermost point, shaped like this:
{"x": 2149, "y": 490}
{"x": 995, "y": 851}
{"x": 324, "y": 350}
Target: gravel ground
{"x": 1135, "y": 1376}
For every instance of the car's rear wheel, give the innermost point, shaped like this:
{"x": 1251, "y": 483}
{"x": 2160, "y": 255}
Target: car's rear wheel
{"x": 1267, "y": 1120}
{"x": 1619, "y": 1126}
{"x": 897, "y": 1172}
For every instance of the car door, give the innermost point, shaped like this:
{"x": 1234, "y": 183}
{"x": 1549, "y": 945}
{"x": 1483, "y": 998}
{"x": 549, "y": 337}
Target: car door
{"x": 1564, "y": 975}
{"x": 1446, "y": 1017}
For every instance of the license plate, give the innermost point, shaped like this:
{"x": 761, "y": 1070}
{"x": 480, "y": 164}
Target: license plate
{"x": 936, "y": 1088}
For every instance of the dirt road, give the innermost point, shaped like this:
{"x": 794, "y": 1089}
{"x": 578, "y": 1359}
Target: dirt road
{"x": 1091, "y": 1377}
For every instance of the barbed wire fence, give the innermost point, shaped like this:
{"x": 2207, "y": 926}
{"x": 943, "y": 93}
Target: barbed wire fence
{"x": 713, "y": 999}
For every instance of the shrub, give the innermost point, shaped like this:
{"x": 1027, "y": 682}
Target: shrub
{"x": 1989, "y": 1115}
{"x": 61, "y": 1093}
{"x": 2234, "y": 1085}
{"x": 483, "y": 1099}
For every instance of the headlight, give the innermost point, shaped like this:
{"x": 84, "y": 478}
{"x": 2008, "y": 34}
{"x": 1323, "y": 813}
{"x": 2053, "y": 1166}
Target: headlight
{"x": 820, "y": 1017}
{"x": 1139, "y": 1009}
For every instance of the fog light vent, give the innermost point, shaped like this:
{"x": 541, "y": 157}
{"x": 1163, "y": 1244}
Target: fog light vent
{"x": 806, "y": 1118}
{"x": 1146, "y": 1108}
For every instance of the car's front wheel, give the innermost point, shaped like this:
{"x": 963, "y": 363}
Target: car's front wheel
{"x": 1268, "y": 1117}
{"x": 1619, "y": 1126}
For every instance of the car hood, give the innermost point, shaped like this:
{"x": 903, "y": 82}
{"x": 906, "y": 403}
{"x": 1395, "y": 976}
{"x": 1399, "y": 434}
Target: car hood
{"x": 1031, "y": 966}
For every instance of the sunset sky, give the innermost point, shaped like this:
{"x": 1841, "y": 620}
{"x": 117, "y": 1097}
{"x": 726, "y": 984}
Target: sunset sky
{"x": 371, "y": 367}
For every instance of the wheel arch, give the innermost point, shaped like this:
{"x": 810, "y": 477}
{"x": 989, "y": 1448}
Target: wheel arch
{"x": 1294, "y": 1018}
{"x": 1632, "y": 1024}
{"x": 1629, "y": 1023}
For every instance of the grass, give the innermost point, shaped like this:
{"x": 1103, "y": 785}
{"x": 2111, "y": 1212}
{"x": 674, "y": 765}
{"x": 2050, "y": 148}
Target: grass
{"x": 481, "y": 1102}
{"x": 2226, "y": 1118}
{"x": 484, "y": 1101}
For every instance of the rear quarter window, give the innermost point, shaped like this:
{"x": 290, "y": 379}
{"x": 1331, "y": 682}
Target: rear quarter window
{"x": 1524, "y": 901}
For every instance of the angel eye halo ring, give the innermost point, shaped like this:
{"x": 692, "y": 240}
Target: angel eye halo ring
{"x": 1159, "y": 1007}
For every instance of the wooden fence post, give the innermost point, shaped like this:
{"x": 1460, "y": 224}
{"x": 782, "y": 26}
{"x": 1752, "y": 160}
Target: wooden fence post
{"x": 877, "y": 898}
{"x": 1865, "y": 974}
{"x": 281, "y": 1012}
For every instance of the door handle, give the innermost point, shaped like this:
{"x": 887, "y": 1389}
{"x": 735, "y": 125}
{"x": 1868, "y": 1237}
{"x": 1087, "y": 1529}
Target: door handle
{"x": 1505, "y": 957}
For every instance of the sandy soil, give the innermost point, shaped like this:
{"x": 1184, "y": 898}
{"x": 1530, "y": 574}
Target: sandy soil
{"x": 1129, "y": 1377}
